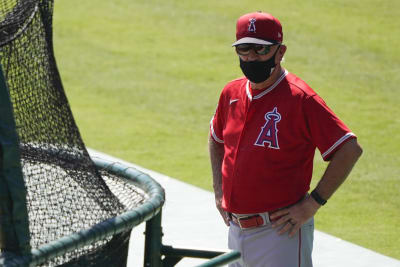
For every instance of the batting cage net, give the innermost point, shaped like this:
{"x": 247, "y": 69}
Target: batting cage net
{"x": 65, "y": 192}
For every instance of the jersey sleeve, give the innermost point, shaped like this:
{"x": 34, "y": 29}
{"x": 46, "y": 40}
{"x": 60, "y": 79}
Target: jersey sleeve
{"x": 327, "y": 131}
{"x": 217, "y": 122}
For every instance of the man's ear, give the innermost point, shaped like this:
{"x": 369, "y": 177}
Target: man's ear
{"x": 281, "y": 52}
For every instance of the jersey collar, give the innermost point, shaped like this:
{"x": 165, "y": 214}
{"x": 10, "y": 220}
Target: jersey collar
{"x": 266, "y": 91}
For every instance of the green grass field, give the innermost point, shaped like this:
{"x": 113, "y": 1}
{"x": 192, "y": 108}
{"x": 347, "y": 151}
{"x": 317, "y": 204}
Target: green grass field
{"x": 143, "y": 78}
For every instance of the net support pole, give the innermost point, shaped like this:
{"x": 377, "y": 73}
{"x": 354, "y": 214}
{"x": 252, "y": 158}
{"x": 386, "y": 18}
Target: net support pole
{"x": 153, "y": 242}
{"x": 14, "y": 226}
{"x": 158, "y": 255}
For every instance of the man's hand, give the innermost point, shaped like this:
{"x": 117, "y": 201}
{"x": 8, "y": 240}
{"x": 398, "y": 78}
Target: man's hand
{"x": 291, "y": 219}
{"x": 224, "y": 214}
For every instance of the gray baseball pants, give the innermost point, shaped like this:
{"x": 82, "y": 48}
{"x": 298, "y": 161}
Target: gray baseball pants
{"x": 264, "y": 247}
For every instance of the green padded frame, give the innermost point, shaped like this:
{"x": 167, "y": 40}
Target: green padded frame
{"x": 106, "y": 228}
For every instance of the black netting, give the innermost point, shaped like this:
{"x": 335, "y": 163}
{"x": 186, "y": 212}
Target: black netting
{"x": 65, "y": 192}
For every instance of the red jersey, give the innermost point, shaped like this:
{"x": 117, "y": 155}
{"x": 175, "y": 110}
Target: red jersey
{"x": 270, "y": 140}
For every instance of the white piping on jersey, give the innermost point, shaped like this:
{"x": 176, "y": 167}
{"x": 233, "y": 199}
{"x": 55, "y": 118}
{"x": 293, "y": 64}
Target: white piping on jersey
{"x": 338, "y": 142}
{"x": 233, "y": 101}
{"x": 266, "y": 91}
{"x": 213, "y": 132}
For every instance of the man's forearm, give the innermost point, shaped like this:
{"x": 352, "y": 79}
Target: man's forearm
{"x": 339, "y": 168}
{"x": 216, "y": 156}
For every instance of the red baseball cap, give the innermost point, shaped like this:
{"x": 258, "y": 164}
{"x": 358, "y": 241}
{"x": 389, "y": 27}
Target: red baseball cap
{"x": 258, "y": 28}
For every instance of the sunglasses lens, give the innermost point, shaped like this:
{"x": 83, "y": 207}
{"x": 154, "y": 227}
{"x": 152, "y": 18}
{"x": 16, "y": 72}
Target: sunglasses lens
{"x": 262, "y": 49}
{"x": 243, "y": 49}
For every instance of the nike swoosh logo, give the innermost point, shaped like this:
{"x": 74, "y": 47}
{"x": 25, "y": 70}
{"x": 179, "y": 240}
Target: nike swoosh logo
{"x": 233, "y": 101}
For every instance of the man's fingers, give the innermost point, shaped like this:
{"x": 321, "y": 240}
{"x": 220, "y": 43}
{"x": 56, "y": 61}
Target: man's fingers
{"x": 290, "y": 219}
{"x": 226, "y": 218}
{"x": 278, "y": 214}
{"x": 285, "y": 228}
{"x": 294, "y": 230}
{"x": 280, "y": 221}
{"x": 290, "y": 227}
{"x": 227, "y": 222}
{"x": 224, "y": 215}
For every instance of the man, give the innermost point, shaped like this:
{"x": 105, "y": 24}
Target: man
{"x": 262, "y": 142}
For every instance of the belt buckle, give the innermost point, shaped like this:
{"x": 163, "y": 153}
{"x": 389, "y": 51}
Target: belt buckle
{"x": 238, "y": 218}
{"x": 239, "y": 222}
{"x": 249, "y": 217}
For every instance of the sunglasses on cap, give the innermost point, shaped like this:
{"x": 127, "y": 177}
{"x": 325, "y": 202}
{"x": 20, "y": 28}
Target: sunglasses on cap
{"x": 244, "y": 49}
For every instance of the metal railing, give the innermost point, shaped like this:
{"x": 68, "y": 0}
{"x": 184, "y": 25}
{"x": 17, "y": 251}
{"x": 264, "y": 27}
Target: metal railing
{"x": 159, "y": 255}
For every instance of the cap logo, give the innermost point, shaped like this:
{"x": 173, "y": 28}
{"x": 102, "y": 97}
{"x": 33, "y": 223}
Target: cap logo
{"x": 252, "y": 26}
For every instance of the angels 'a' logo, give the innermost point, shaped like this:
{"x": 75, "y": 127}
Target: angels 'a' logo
{"x": 252, "y": 25}
{"x": 269, "y": 132}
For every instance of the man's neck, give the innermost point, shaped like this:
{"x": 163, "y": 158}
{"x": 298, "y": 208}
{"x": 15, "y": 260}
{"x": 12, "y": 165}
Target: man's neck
{"x": 270, "y": 81}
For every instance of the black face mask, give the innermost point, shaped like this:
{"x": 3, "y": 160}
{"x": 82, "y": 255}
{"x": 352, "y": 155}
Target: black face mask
{"x": 258, "y": 71}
